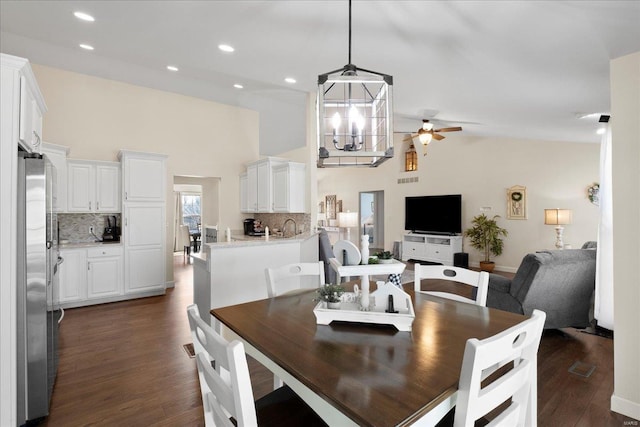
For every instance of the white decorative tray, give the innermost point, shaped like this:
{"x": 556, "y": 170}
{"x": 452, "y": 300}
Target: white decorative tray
{"x": 349, "y": 310}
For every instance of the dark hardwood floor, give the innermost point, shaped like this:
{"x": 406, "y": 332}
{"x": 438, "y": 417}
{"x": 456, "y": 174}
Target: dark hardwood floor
{"x": 123, "y": 364}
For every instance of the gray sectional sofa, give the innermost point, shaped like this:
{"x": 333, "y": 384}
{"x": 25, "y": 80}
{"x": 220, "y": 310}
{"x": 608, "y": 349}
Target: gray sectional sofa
{"x": 559, "y": 282}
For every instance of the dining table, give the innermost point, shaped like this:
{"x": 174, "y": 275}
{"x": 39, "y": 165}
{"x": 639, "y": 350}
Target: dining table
{"x": 355, "y": 374}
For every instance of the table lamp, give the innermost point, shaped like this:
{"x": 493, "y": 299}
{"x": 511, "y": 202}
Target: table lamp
{"x": 348, "y": 220}
{"x": 558, "y": 217}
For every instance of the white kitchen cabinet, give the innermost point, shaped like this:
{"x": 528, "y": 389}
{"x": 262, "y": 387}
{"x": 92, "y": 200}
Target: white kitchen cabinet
{"x": 252, "y": 188}
{"x": 57, "y": 154}
{"x": 144, "y": 238}
{"x": 93, "y": 186}
{"x": 144, "y": 224}
{"x": 22, "y": 103}
{"x": 244, "y": 200}
{"x": 73, "y": 275}
{"x": 261, "y": 191}
{"x": 144, "y": 176}
{"x": 288, "y": 187}
{"x": 104, "y": 271}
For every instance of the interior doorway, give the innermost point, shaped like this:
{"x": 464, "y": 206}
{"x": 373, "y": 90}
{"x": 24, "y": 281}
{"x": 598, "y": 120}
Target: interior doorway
{"x": 372, "y": 217}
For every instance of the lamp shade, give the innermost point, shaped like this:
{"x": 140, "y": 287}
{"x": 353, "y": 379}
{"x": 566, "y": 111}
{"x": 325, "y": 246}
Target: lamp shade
{"x": 348, "y": 219}
{"x": 557, "y": 216}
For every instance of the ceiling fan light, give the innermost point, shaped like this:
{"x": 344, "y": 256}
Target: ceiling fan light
{"x": 425, "y": 138}
{"x": 427, "y": 126}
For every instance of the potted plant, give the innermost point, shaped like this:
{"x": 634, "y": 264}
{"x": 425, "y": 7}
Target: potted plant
{"x": 330, "y": 294}
{"x": 385, "y": 257}
{"x": 485, "y": 235}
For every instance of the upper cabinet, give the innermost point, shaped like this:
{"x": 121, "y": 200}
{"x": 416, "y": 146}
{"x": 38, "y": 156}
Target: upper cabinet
{"x": 144, "y": 176}
{"x": 57, "y": 154}
{"x": 23, "y": 102}
{"x": 288, "y": 187}
{"x": 273, "y": 185}
{"x": 93, "y": 186}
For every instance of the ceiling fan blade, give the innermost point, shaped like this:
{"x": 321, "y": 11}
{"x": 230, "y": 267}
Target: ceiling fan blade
{"x": 409, "y": 137}
{"x": 438, "y": 137}
{"x": 452, "y": 129}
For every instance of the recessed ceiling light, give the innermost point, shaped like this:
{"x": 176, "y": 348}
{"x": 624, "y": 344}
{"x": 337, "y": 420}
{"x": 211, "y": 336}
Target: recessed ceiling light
{"x": 290, "y": 80}
{"x": 225, "y": 48}
{"x": 172, "y": 68}
{"x": 84, "y": 16}
{"x": 238, "y": 86}
{"x": 86, "y": 46}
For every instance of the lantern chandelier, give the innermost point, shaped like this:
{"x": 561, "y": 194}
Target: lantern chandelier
{"x": 354, "y": 116}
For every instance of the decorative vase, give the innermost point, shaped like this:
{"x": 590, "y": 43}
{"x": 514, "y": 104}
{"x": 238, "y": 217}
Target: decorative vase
{"x": 385, "y": 261}
{"x": 333, "y": 305}
{"x": 364, "y": 248}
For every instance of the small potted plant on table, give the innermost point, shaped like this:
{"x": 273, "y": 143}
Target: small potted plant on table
{"x": 485, "y": 235}
{"x": 331, "y": 295}
{"x": 385, "y": 257}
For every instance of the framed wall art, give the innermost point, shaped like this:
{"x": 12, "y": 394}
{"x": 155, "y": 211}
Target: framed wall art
{"x": 517, "y": 202}
{"x": 330, "y": 201}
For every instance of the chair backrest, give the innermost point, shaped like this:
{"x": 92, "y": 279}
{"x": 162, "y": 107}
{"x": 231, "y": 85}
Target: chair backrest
{"x": 478, "y": 279}
{"x": 185, "y": 237}
{"x": 226, "y": 390}
{"x": 518, "y": 344}
{"x": 290, "y": 277}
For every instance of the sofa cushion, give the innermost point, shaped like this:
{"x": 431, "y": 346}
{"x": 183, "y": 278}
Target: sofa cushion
{"x": 499, "y": 283}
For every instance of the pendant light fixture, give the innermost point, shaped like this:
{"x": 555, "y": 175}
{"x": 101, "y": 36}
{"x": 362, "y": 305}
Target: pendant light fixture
{"x": 354, "y": 116}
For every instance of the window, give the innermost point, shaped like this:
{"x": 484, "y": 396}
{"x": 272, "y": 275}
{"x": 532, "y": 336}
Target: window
{"x": 191, "y": 213}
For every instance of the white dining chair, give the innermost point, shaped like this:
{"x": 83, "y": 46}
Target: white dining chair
{"x": 294, "y": 277}
{"x": 477, "y": 279}
{"x": 518, "y": 344}
{"x": 230, "y": 395}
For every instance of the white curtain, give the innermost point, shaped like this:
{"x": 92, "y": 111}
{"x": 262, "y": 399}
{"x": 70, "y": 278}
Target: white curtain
{"x": 178, "y": 222}
{"x": 603, "y": 306}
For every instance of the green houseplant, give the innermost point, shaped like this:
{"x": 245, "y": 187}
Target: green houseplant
{"x": 330, "y": 294}
{"x": 384, "y": 257}
{"x": 486, "y": 236}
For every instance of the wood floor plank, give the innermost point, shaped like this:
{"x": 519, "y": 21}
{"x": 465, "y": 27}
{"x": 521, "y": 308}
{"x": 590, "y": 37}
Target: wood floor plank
{"x": 123, "y": 364}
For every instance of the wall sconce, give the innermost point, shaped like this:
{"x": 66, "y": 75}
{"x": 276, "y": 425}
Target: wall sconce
{"x": 411, "y": 159}
{"x": 558, "y": 217}
{"x": 348, "y": 220}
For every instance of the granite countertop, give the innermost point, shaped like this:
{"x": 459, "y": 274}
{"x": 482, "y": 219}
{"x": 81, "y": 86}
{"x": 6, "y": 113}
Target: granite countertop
{"x": 76, "y": 245}
{"x": 238, "y": 240}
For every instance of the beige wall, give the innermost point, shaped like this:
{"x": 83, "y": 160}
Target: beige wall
{"x": 625, "y": 133}
{"x": 556, "y": 174}
{"x": 97, "y": 117}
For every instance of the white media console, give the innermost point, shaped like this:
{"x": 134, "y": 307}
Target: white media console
{"x": 431, "y": 247}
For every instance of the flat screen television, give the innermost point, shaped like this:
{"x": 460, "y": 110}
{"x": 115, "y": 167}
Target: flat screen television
{"x": 434, "y": 214}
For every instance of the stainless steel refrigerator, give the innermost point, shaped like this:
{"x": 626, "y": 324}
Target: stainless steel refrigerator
{"x": 38, "y": 311}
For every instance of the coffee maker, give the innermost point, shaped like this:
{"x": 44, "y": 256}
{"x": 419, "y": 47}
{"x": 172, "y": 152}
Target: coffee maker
{"x": 253, "y": 227}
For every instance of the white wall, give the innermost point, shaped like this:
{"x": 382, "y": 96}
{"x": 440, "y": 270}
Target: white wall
{"x": 556, "y": 175}
{"x": 625, "y": 132}
{"x": 96, "y": 117}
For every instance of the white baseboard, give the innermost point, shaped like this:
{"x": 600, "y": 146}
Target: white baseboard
{"x": 625, "y": 407}
{"x": 170, "y": 284}
{"x": 498, "y": 267}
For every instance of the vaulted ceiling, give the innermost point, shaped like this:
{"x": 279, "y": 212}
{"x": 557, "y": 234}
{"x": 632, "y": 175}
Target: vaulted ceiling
{"x": 522, "y": 69}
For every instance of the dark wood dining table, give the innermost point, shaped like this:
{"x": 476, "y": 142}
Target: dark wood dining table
{"x": 363, "y": 374}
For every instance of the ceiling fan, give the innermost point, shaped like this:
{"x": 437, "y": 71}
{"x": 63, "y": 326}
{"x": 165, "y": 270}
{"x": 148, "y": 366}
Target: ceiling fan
{"x": 427, "y": 132}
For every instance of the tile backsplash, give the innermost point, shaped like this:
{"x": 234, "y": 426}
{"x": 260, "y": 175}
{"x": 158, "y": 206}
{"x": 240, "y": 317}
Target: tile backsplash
{"x": 276, "y": 220}
{"x": 75, "y": 227}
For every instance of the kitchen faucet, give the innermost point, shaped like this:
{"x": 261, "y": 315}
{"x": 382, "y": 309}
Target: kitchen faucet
{"x": 284, "y": 227}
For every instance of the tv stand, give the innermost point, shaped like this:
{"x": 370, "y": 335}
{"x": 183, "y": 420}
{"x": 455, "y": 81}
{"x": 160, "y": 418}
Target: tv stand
{"x": 436, "y": 248}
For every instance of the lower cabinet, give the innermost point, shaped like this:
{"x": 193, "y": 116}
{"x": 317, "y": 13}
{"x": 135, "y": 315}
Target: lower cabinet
{"x": 91, "y": 275}
{"x": 104, "y": 272}
{"x": 73, "y": 275}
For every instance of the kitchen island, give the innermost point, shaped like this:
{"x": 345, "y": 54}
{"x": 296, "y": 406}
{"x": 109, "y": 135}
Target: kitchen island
{"x": 228, "y": 273}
